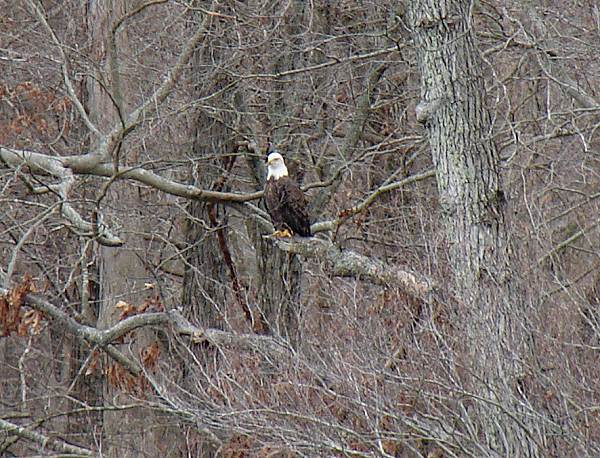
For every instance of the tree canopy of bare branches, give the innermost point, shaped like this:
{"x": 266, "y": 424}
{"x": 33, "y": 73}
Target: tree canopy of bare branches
{"x": 448, "y": 303}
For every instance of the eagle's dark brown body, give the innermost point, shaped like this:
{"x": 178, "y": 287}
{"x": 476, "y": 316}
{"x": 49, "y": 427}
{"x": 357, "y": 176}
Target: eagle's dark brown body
{"x": 287, "y": 205}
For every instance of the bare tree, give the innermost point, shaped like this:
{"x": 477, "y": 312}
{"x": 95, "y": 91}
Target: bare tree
{"x": 140, "y": 285}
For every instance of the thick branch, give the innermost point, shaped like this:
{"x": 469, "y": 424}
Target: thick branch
{"x": 347, "y": 263}
{"x": 64, "y": 167}
{"x": 169, "y": 186}
{"x": 83, "y": 332}
{"x": 44, "y": 441}
{"x": 248, "y": 342}
{"x": 60, "y": 166}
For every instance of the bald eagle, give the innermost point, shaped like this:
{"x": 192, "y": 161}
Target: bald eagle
{"x": 285, "y": 200}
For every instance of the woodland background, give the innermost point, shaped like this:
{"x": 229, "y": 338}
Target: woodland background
{"x": 449, "y": 304}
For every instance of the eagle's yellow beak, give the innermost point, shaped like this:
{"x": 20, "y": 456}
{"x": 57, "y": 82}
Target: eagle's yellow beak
{"x": 274, "y": 157}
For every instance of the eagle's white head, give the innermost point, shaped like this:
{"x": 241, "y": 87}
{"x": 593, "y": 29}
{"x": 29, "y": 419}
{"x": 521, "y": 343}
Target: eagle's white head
{"x": 276, "y": 167}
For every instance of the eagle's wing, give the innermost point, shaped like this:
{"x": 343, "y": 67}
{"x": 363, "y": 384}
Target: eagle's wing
{"x": 294, "y": 207}
{"x": 287, "y": 206}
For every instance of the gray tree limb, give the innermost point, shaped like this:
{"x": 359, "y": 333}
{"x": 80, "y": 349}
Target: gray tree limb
{"x": 104, "y": 338}
{"x": 331, "y": 225}
{"x": 55, "y": 166}
{"x": 348, "y": 263}
{"x": 46, "y": 442}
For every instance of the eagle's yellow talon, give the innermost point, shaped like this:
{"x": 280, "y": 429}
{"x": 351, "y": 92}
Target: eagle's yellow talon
{"x": 282, "y": 233}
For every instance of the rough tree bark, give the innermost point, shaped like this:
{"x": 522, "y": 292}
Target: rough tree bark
{"x": 458, "y": 122}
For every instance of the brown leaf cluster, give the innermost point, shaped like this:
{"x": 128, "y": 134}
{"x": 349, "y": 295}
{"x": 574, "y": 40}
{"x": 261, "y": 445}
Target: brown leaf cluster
{"x": 149, "y": 355}
{"x": 242, "y": 446}
{"x": 120, "y": 378}
{"x": 151, "y": 305}
{"x": 27, "y": 109}
{"x": 12, "y": 317}
{"x": 93, "y": 364}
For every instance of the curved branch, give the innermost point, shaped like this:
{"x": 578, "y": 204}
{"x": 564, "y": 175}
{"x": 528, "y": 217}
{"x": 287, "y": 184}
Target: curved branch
{"x": 134, "y": 12}
{"x": 103, "y": 338}
{"x": 42, "y": 163}
{"x": 345, "y": 214}
{"x": 64, "y": 168}
{"x": 169, "y": 186}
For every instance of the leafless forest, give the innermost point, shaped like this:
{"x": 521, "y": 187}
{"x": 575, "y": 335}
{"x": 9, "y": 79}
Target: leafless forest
{"x": 448, "y": 304}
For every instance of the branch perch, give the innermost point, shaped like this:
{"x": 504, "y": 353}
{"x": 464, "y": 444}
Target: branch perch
{"x": 347, "y": 263}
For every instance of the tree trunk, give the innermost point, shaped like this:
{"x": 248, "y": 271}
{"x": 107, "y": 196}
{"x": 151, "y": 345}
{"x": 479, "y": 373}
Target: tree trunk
{"x": 279, "y": 273}
{"x": 278, "y": 286}
{"x": 211, "y": 289}
{"x": 210, "y": 278}
{"x": 472, "y": 202}
{"x": 121, "y": 270}
{"x": 206, "y": 290}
